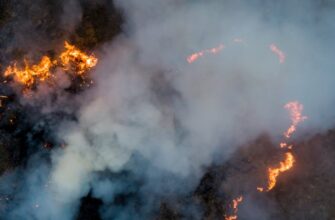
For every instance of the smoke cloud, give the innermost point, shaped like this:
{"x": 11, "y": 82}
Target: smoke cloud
{"x": 152, "y": 122}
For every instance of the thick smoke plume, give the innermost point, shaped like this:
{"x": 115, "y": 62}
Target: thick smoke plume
{"x": 153, "y": 123}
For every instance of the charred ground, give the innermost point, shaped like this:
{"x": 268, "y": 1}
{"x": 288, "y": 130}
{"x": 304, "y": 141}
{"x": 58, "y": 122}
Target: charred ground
{"x": 305, "y": 192}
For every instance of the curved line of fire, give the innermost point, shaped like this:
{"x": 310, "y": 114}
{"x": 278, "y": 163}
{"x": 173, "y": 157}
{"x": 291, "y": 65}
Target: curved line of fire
{"x": 295, "y": 110}
{"x": 75, "y": 61}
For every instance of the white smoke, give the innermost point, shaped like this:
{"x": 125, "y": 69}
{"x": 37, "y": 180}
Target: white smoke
{"x": 72, "y": 15}
{"x": 156, "y": 116}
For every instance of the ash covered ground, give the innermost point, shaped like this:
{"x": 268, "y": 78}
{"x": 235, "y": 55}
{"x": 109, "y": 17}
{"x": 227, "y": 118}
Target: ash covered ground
{"x": 155, "y": 136}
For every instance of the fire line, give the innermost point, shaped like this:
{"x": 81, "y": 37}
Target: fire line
{"x": 195, "y": 56}
{"x": 295, "y": 110}
{"x": 71, "y": 59}
{"x": 234, "y": 207}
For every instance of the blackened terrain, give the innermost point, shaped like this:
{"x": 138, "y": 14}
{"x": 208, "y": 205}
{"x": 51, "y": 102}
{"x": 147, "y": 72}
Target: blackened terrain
{"x": 33, "y": 27}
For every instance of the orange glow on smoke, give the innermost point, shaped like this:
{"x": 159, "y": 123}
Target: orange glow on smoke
{"x": 281, "y": 55}
{"x": 234, "y": 207}
{"x": 295, "y": 109}
{"x": 193, "y": 57}
{"x": 284, "y": 166}
{"x": 71, "y": 59}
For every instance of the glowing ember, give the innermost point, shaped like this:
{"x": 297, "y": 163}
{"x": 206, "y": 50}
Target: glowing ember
{"x": 29, "y": 74}
{"x": 77, "y": 59}
{"x": 278, "y": 52}
{"x": 285, "y": 145}
{"x": 193, "y": 57}
{"x": 234, "y": 207}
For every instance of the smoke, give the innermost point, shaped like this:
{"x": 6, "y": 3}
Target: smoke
{"x": 72, "y": 15}
{"x": 153, "y": 123}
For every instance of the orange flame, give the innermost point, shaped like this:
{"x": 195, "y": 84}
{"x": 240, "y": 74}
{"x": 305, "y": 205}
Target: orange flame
{"x": 285, "y": 145}
{"x": 284, "y": 166}
{"x": 234, "y": 206}
{"x": 76, "y": 59}
{"x": 295, "y": 109}
{"x": 281, "y": 55}
{"x": 29, "y": 74}
{"x": 71, "y": 58}
{"x": 273, "y": 173}
{"x": 193, "y": 57}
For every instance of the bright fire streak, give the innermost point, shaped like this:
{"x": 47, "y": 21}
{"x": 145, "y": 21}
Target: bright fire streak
{"x": 295, "y": 109}
{"x": 193, "y": 57}
{"x": 29, "y": 74}
{"x": 273, "y": 173}
{"x": 73, "y": 57}
{"x": 278, "y": 52}
{"x": 235, "y": 204}
{"x": 285, "y": 145}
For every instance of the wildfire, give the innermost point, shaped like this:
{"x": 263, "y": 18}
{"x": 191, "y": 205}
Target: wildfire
{"x": 193, "y": 57}
{"x": 281, "y": 55}
{"x": 285, "y": 145}
{"x": 273, "y": 173}
{"x": 295, "y": 109}
{"x": 72, "y": 58}
{"x": 234, "y": 207}
{"x": 29, "y": 74}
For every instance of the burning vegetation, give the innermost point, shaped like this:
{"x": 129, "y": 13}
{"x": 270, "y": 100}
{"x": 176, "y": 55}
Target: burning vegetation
{"x": 295, "y": 109}
{"x": 128, "y": 148}
{"x": 234, "y": 207}
{"x": 72, "y": 60}
{"x": 195, "y": 56}
{"x": 29, "y": 74}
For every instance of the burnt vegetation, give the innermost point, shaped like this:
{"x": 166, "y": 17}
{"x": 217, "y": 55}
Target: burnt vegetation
{"x": 305, "y": 192}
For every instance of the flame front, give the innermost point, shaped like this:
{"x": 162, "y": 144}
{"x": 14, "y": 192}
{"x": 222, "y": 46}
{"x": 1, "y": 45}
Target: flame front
{"x": 72, "y": 57}
{"x": 295, "y": 109}
{"x": 273, "y": 173}
{"x": 234, "y": 207}
{"x": 193, "y": 57}
{"x": 29, "y": 74}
